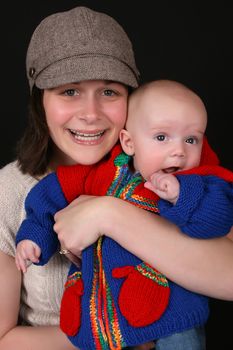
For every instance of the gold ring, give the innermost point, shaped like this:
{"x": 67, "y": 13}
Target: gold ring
{"x": 64, "y": 251}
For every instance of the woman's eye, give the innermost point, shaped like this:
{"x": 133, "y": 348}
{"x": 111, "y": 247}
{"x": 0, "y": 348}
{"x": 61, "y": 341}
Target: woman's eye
{"x": 160, "y": 137}
{"x": 109, "y": 92}
{"x": 70, "y": 92}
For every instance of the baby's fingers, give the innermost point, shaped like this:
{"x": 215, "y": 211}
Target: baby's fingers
{"x": 33, "y": 253}
{"x": 149, "y": 185}
{"x": 21, "y": 263}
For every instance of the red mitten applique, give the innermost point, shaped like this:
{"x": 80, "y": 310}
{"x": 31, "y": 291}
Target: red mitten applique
{"x": 70, "y": 312}
{"x": 144, "y": 295}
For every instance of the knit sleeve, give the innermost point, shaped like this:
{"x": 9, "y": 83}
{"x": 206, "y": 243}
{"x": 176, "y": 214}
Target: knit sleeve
{"x": 92, "y": 180}
{"x": 135, "y": 193}
{"x": 42, "y": 202}
{"x": 72, "y": 180}
{"x": 204, "y": 208}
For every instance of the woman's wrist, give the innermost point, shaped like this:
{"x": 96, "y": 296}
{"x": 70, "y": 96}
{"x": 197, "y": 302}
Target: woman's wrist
{"x": 123, "y": 221}
{"x": 113, "y": 211}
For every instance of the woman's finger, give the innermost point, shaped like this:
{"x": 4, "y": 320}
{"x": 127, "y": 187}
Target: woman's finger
{"x": 76, "y": 260}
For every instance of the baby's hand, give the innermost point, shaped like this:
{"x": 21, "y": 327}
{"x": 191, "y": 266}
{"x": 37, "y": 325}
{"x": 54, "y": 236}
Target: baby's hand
{"x": 26, "y": 251}
{"x": 166, "y": 186}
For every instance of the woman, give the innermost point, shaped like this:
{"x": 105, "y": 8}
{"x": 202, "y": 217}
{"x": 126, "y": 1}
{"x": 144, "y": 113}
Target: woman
{"x": 80, "y": 66}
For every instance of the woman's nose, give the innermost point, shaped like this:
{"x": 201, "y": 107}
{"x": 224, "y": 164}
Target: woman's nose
{"x": 90, "y": 111}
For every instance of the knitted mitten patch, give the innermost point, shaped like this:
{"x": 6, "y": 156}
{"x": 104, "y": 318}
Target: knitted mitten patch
{"x": 144, "y": 294}
{"x": 70, "y": 311}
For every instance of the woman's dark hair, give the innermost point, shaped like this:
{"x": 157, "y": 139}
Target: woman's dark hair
{"x": 34, "y": 149}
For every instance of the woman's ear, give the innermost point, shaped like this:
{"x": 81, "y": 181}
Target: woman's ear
{"x": 126, "y": 142}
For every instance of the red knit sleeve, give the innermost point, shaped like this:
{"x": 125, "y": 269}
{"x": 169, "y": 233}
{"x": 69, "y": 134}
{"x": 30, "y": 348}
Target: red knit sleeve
{"x": 102, "y": 174}
{"x": 140, "y": 197}
{"x": 88, "y": 179}
{"x": 72, "y": 180}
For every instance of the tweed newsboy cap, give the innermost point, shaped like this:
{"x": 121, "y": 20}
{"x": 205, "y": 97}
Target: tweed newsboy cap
{"x": 80, "y": 44}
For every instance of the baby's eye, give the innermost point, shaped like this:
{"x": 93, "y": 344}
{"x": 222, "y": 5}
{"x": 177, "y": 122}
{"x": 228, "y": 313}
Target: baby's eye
{"x": 160, "y": 137}
{"x": 192, "y": 140}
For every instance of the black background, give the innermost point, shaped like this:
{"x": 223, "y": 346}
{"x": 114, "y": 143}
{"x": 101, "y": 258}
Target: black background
{"x": 188, "y": 41}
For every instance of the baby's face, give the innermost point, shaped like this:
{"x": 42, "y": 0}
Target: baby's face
{"x": 167, "y": 132}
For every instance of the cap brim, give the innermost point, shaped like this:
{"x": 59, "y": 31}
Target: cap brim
{"x": 79, "y": 68}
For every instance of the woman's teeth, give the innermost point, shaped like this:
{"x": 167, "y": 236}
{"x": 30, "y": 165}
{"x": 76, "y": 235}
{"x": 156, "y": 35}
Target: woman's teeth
{"x": 86, "y": 136}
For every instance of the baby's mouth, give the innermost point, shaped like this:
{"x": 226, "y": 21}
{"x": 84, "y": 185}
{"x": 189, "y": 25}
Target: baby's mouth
{"x": 171, "y": 170}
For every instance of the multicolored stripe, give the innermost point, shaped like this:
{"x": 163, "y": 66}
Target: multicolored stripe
{"x": 97, "y": 324}
{"x": 103, "y": 315}
{"x": 124, "y": 184}
{"x": 149, "y": 272}
{"x": 72, "y": 279}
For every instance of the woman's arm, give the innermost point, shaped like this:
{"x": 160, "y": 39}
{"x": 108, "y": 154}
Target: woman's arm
{"x": 204, "y": 266}
{"x": 18, "y": 337}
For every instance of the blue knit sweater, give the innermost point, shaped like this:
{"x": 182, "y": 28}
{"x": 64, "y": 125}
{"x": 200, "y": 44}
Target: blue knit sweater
{"x": 204, "y": 210}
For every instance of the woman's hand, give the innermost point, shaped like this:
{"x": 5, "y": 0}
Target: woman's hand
{"x": 192, "y": 263}
{"x": 77, "y": 226}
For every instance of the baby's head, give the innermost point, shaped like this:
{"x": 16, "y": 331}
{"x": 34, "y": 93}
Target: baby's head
{"x": 165, "y": 127}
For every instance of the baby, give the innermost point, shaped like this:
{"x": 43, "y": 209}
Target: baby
{"x": 167, "y": 163}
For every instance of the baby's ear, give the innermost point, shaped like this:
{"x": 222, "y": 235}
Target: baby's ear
{"x": 126, "y": 142}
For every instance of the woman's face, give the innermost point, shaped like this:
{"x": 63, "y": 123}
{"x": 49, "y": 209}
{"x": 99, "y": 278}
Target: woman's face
{"x": 84, "y": 119}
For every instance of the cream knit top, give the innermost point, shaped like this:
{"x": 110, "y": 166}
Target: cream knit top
{"x": 42, "y": 286}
